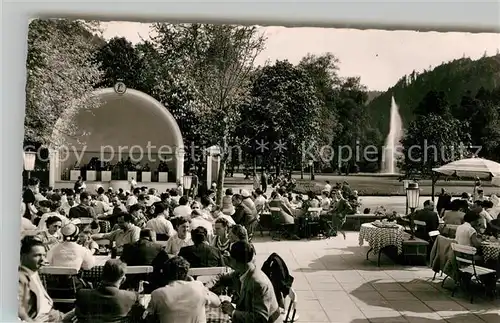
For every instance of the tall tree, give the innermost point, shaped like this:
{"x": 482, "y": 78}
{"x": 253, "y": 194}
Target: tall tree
{"x": 434, "y": 102}
{"x": 119, "y": 59}
{"x": 284, "y": 103}
{"x": 61, "y": 78}
{"x": 482, "y": 114}
{"x": 217, "y": 60}
{"x": 351, "y": 97}
{"x": 431, "y": 141}
{"x": 162, "y": 79}
{"x": 323, "y": 70}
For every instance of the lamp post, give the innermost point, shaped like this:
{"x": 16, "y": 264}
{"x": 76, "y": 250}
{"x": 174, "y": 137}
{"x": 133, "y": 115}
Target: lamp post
{"x": 29, "y": 158}
{"x": 311, "y": 168}
{"x": 412, "y": 197}
{"x": 187, "y": 181}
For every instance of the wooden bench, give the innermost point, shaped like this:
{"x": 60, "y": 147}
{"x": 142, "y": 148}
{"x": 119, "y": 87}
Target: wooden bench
{"x": 359, "y": 219}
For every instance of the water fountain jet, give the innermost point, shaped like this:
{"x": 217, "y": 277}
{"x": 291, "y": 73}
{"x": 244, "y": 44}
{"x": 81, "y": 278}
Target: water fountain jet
{"x": 392, "y": 141}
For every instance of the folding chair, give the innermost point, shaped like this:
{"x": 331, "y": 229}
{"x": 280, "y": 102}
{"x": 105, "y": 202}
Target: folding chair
{"x": 259, "y": 223}
{"x": 86, "y": 221}
{"x": 292, "y": 307}
{"x": 419, "y": 223}
{"x": 60, "y": 283}
{"x": 139, "y": 274}
{"x": 205, "y": 274}
{"x": 265, "y": 222}
{"x": 137, "y": 270}
{"x": 335, "y": 224}
{"x": 312, "y": 220}
{"x": 207, "y": 271}
{"x": 464, "y": 255}
{"x": 436, "y": 238}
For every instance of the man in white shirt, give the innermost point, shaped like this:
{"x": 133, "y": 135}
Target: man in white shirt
{"x": 100, "y": 207}
{"x": 151, "y": 197}
{"x": 35, "y": 305}
{"x": 181, "y": 239}
{"x": 126, "y": 234}
{"x": 69, "y": 203}
{"x": 133, "y": 199}
{"x": 485, "y": 217}
{"x": 480, "y": 195}
{"x": 260, "y": 201}
{"x": 101, "y": 195}
{"x": 174, "y": 196}
{"x": 183, "y": 299}
{"x": 328, "y": 187}
{"x": 133, "y": 184}
{"x": 69, "y": 253}
{"x": 159, "y": 224}
{"x": 197, "y": 220}
{"x": 183, "y": 210}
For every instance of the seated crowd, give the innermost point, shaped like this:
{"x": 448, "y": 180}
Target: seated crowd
{"x": 467, "y": 221}
{"x": 464, "y": 213}
{"x": 170, "y": 233}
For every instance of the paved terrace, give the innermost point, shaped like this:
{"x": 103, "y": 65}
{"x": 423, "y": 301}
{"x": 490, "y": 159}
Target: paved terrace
{"x": 335, "y": 283}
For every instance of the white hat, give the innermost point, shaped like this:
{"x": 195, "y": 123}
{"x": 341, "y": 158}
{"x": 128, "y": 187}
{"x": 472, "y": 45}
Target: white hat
{"x": 70, "y": 230}
{"x": 245, "y": 193}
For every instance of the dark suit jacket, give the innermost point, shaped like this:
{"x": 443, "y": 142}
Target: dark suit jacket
{"x": 244, "y": 215}
{"x": 105, "y": 304}
{"x": 202, "y": 255}
{"x": 81, "y": 211}
{"x": 257, "y": 302}
{"x": 431, "y": 220}
{"x": 141, "y": 253}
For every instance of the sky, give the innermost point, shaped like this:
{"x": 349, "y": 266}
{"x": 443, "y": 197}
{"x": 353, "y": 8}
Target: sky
{"x": 380, "y": 58}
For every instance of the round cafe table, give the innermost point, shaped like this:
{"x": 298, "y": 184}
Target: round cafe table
{"x": 380, "y": 237}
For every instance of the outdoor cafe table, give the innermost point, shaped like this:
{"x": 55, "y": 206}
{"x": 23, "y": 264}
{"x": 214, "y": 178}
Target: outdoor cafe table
{"x": 94, "y": 274}
{"x": 379, "y": 238}
{"x": 491, "y": 250}
{"x": 101, "y": 260}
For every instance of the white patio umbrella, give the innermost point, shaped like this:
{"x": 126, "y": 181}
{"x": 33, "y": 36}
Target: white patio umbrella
{"x": 471, "y": 167}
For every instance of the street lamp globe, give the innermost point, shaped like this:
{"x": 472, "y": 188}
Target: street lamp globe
{"x": 29, "y": 158}
{"x": 187, "y": 181}
{"x": 413, "y": 195}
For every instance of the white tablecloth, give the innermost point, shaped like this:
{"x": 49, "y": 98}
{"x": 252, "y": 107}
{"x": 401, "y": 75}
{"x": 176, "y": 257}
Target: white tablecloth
{"x": 379, "y": 238}
{"x": 101, "y": 260}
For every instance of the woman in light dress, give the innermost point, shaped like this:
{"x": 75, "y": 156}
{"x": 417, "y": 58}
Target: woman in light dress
{"x": 52, "y": 235}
